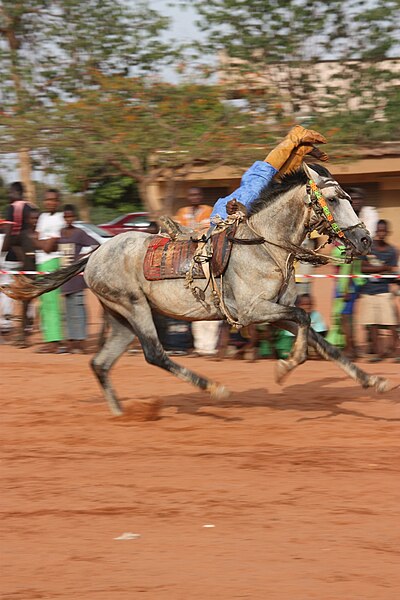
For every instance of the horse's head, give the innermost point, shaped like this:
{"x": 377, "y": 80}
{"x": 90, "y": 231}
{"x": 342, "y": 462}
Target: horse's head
{"x": 334, "y": 214}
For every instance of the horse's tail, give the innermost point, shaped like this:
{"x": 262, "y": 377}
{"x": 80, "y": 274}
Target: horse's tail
{"x": 23, "y": 288}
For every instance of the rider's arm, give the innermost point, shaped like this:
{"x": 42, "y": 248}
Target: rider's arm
{"x": 253, "y": 182}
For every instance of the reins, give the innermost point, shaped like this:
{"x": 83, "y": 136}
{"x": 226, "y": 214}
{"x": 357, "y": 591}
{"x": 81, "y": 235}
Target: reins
{"x": 299, "y": 252}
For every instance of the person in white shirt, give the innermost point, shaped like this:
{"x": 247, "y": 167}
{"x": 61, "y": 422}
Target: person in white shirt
{"x": 49, "y": 226}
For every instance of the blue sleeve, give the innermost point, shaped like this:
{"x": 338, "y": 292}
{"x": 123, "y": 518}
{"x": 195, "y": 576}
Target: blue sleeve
{"x": 253, "y": 182}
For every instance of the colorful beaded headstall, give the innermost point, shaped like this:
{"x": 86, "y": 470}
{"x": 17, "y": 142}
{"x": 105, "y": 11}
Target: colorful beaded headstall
{"x": 321, "y": 202}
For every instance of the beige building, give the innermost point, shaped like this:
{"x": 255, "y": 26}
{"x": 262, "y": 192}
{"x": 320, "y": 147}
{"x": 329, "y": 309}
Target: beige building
{"x": 376, "y": 170}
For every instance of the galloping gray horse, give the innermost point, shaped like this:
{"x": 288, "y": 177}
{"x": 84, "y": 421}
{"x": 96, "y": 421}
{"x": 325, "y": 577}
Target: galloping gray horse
{"x": 258, "y": 285}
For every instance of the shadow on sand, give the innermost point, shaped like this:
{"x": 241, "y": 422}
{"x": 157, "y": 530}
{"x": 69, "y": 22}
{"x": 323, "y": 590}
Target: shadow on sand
{"x": 305, "y": 398}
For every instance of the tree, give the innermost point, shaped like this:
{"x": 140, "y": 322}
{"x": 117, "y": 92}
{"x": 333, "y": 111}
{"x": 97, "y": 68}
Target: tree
{"x": 50, "y": 50}
{"x": 302, "y": 58}
{"x": 3, "y": 197}
{"x": 146, "y": 129}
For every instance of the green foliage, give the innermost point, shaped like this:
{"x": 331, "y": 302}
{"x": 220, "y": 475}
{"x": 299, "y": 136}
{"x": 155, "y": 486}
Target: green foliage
{"x": 270, "y": 31}
{"x": 55, "y": 52}
{"x": 52, "y": 51}
{"x": 3, "y": 196}
{"x": 80, "y": 86}
{"x": 280, "y": 46}
{"x": 128, "y": 126}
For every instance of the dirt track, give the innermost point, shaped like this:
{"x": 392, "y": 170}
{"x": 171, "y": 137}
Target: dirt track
{"x": 301, "y": 484}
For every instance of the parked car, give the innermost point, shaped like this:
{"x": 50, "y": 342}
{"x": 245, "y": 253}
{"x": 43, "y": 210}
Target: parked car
{"x": 99, "y": 235}
{"x": 138, "y": 221}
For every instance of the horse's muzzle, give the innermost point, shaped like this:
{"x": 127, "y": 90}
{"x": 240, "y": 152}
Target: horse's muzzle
{"x": 360, "y": 239}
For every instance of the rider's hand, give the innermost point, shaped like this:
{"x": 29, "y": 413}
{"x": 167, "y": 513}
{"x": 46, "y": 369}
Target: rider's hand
{"x": 232, "y": 207}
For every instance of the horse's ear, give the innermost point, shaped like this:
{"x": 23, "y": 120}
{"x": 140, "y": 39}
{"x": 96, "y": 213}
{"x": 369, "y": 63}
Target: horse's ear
{"x": 311, "y": 174}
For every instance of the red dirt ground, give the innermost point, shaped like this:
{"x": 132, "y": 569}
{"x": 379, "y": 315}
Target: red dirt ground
{"x": 301, "y": 484}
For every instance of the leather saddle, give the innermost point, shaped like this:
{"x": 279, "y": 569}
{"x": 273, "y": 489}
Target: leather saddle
{"x": 172, "y": 259}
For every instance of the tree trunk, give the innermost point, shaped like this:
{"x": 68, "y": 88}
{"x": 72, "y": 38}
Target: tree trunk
{"x": 170, "y": 194}
{"x": 84, "y": 207}
{"x": 25, "y": 167}
{"x": 148, "y": 190}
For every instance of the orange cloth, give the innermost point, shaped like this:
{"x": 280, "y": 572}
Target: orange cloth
{"x": 193, "y": 216}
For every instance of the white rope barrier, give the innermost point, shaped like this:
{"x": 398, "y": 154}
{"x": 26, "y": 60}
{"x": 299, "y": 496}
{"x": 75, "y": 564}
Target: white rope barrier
{"x": 337, "y": 276}
{"x": 298, "y": 275}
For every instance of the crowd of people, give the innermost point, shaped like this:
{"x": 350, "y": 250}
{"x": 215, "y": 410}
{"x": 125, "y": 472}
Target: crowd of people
{"x": 44, "y": 241}
{"x": 36, "y": 241}
{"x": 373, "y": 297}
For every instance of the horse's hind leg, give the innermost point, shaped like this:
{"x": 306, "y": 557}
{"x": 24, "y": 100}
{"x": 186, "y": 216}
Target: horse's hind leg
{"x": 143, "y": 326}
{"x": 101, "y": 338}
{"x": 118, "y": 340}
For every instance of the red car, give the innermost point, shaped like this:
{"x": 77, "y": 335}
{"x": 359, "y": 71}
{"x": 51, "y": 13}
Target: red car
{"x": 138, "y": 221}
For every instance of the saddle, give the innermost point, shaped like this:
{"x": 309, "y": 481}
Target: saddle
{"x": 172, "y": 259}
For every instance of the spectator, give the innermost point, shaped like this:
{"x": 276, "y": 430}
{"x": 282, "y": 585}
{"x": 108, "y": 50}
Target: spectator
{"x": 285, "y": 339}
{"x": 16, "y": 220}
{"x": 368, "y": 213}
{"x": 49, "y": 226}
{"x": 72, "y": 241}
{"x": 195, "y": 215}
{"x": 306, "y": 302}
{"x": 27, "y": 241}
{"x": 341, "y": 332}
{"x": 377, "y": 310}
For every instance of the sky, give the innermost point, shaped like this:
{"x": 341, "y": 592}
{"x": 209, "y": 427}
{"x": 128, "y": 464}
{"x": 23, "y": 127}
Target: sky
{"x": 182, "y": 26}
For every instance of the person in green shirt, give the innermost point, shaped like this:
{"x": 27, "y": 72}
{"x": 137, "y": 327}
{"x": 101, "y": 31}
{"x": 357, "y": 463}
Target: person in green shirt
{"x": 347, "y": 290}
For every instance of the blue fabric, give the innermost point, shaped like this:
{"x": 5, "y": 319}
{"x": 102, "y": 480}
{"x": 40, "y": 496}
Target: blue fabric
{"x": 317, "y": 322}
{"x": 348, "y": 307}
{"x": 253, "y": 181}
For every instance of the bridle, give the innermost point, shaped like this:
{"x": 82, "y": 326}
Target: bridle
{"x": 320, "y": 219}
{"x": 324, "y": 222}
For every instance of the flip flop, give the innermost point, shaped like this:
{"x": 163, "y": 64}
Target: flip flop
{"x": 44, "y": 350}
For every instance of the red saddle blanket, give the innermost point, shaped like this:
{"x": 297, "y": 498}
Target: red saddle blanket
{"x": 168, "y": 259}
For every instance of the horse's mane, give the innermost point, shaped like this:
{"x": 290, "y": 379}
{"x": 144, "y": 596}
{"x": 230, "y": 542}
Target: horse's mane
{"x": 287, "y": 182}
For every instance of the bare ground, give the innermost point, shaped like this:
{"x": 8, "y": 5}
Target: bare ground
{"x": 301, "y": 484}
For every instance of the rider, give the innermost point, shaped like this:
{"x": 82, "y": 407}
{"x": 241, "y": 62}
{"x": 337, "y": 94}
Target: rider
{"x": 287, "y": 156}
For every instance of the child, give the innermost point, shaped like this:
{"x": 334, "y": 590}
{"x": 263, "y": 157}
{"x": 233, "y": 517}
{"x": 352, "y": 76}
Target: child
{"x": 70, "y": 245}
{"x": 306, "y": 302}
{"x": 285, "y": 339}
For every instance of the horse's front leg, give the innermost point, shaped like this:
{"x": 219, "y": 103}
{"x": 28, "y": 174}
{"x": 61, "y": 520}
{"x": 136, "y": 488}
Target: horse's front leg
{"x": 265, "y": 311}
{"x": 298, "y": 354}
{"x": 329, "y": 352}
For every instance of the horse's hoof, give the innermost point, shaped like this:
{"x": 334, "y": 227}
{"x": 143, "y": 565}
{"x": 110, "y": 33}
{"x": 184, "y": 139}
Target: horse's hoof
{"x": 116, "y": 410}
{"x": 218, "y": 391}
{"x": 282, "y": 370}
{"x": 381, "y": 384}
